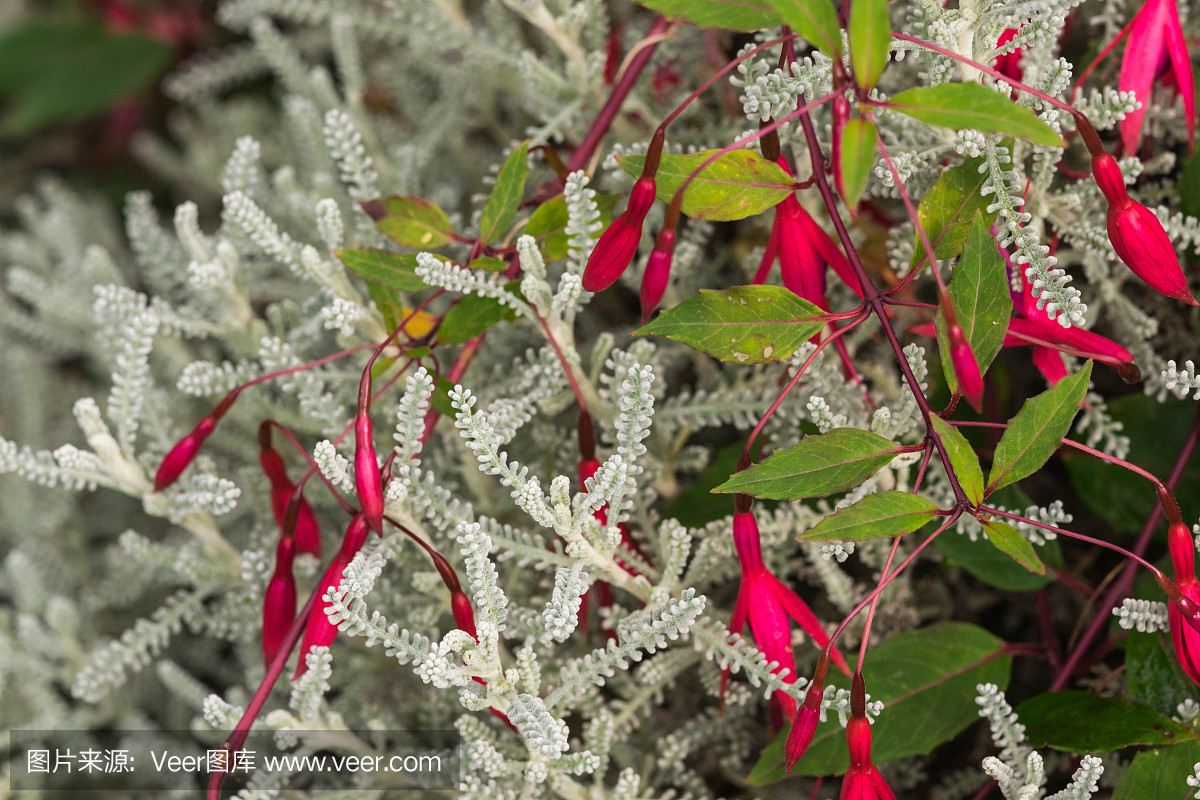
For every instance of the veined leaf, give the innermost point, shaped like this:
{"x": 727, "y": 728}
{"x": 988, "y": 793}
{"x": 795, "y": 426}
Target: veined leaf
{"x": 816, "y": 21}
{"x": 1037, "y": 430}
{"x": 1009, "y": 541}
{"x": 857, "y": 157}
{"x": 734, "y": 15}
{"x": 385, "y": 268}
{"x": 876, "y": 516}
{"x": 870, "y": 32}
{"x": 971, "y": 105}
{"x": 817, "y": 467}
{"x": 739, "y": 184}
{"x": 979, "y": 293}
{"x": 1081, "y": 722}
{"x": 947, "y": 209}
{"x": 469, "y": 317}
{"x": 962, "y": 458}
{"x": 1160, "y": 773}
{"x": 409, "y": 221}
{"x": 926, "y": 700}
{"x": 501, "y": 206}
{"x": 742, "y": 325}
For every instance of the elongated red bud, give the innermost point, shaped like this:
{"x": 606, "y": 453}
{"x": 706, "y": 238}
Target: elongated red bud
{"x": 658, "y": 273}
{"x": 804, "y": 726}
{"x": 301, "y": 522}
{"x": 367, "y": 479}
{"x": 464, "y": 615}
{"x": 319, "y": 631}
{"x": 618, "y": 245}
{"x": 279, "y": 603}
{"x": 1183, "y": 553}
{"x": 1110, "y": 180}
{"x": 180, "y": 457}
{"x": 966, "y": 368}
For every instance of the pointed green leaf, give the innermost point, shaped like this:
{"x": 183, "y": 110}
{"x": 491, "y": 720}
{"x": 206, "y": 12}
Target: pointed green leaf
{"x": 926, "y": 680}
{"x": 979, "y": 293}
{"x": 469, "y": 317}
{"x": 393, "y": 270}
{"x": 409, "y": 221}
{"x": 947, "y": 209}
{"x": 870, "y": 40}
{"x": 985, "y": 562}
{"x": 816, "y": 21}
{"x": 817, "y": 467}
{"x": 1009, "y": 541}
{"x": 734, "y": 15}
{"x": 962, "y": 458}
{"x": 972, "y": 105}
{"x": 488, "y": 264}
{"x": 1161, "y": 773}
{"x": 1081, "y": 722}
{"x": 876, "y": 516}
{"x": 1037, "y": 430}
{"x": 502, "y": 205}
{"x": 857, "y": 157}
{"x": 742, "y": 325}
{"x": 739, "y": 184}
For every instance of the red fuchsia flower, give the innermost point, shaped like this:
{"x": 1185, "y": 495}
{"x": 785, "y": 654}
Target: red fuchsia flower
{"x": 307, "y": 531}
{"x": 1156, "y": 37}
{"x": 1137, "y": 235}
{"x": 767, "y": 603}
{"x": 279, "y": 603}
{"x": 966, "y": 367}
{"x": 862, "y": 781}
{"x": 658, "y": 273}
{"x": 1009, "y": 64}
{"x": 804, "y": 725}
{"x": 180, "y": 457}
{"x": 1185, "y": 637}
{"x": 368, "y": 481}
{"x": 319, "y": 631}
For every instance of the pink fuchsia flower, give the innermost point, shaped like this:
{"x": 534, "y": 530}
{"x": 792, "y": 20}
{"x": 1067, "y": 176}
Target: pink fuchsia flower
{"x": 180, "y": 457}
{"x": 279, "y": 602}
{"x": 319, "y": 631}
{"x": 1138, "y": 236}
{"x": 767, "y": 604}
{"x": 1185, "y": 637}
{"x": 862, "y": 781}
{"x": 368, "y": 481}
{"x": 658, "y": 272}
{"x": 1156, "y": 38}
{"x": 804, "y": 724}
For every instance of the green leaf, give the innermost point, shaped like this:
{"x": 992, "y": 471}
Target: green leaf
{"x": 857, "y": 157}
{"x": 870, "y": 35}
{"x": 469, "y": 317}
{"x": 946, "y": 210}
{"x": 409, "y": 221}
{"x": 393, "y": 270}
{"x": 739, "y": 184}
{"x": 817, "y": 467}
{"x": 979, "y": 292}
{"x": 989, "y": 565}
{"x": 1037, "y": 430}
{"x": 548, "y": 224}
{"x": 734, "y": 15}
{"x": 926, "y": 679}
{"x": 1081, "y": 722}
{"x": 1161, "y": 774}
{"x": 816, "y": 21}
{"x": 962, "y": 458}
{"x": 1154, "y": 678}
{"x": 876, "y": 516}
{"x": 972, "y": 105}
{"x": 1009, "y": 541}
{"x": 58, "y": 71}
{"x": 1189, "y": 186}
{"x": 742, "y": 324}
{"x": 488, "y": 264}
{"x": 501, "y": 207}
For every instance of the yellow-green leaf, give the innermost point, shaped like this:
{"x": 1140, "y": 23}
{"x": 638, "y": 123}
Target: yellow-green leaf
{"x": 971, "y": 105}
{"x": 816, "y": 21}
{"x": 734, "y": 15}
{"x": 1009, "y": 541}
{"x": 857, "y": 157}
{"x": 876, "y": 516}
{"x": 962, "y": 458}
{"x": 502, "y": 205}
{"x": 385, "y": 268}
{"x": 870, "y": 33}
{"x": 739, "y": 184}
{"x": 409, "y": 221}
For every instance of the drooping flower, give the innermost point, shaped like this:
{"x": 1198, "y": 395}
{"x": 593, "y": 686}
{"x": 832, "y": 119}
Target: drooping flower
{"x": 307, "y": 531}
{"x": 180, "y": 457}
{"x": 862, "y": 781}
{"x": 319, "y": 631}
{"x": 658, "y": 272}
{"x": 368, "y": 481}
{"x": 966, "y": 367}
{"x": 1185, "y": 637}
{"x": 279, "y": 602}
{"x": 1138, "y": 236}
{"x": 767, "y": 604}
{"x": 1156, "y": 47}
{"x": 804, "y": 724}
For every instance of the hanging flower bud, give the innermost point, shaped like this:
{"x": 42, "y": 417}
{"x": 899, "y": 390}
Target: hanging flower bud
{"x": 658, "y": 273}
{"x": 319, "y": 631}
{"x": 617, "y": 245}
{"x": 302, "y": 523}
{"x": 966, "y": 368}
{"x": 804, "y": 725}
{"x": 180, "y": 457}
{"x": 862, "y": 781}
{"x": 279, "y": 603}
{"x": 367, "y": 480}
{"x": 1138, "y": 236}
